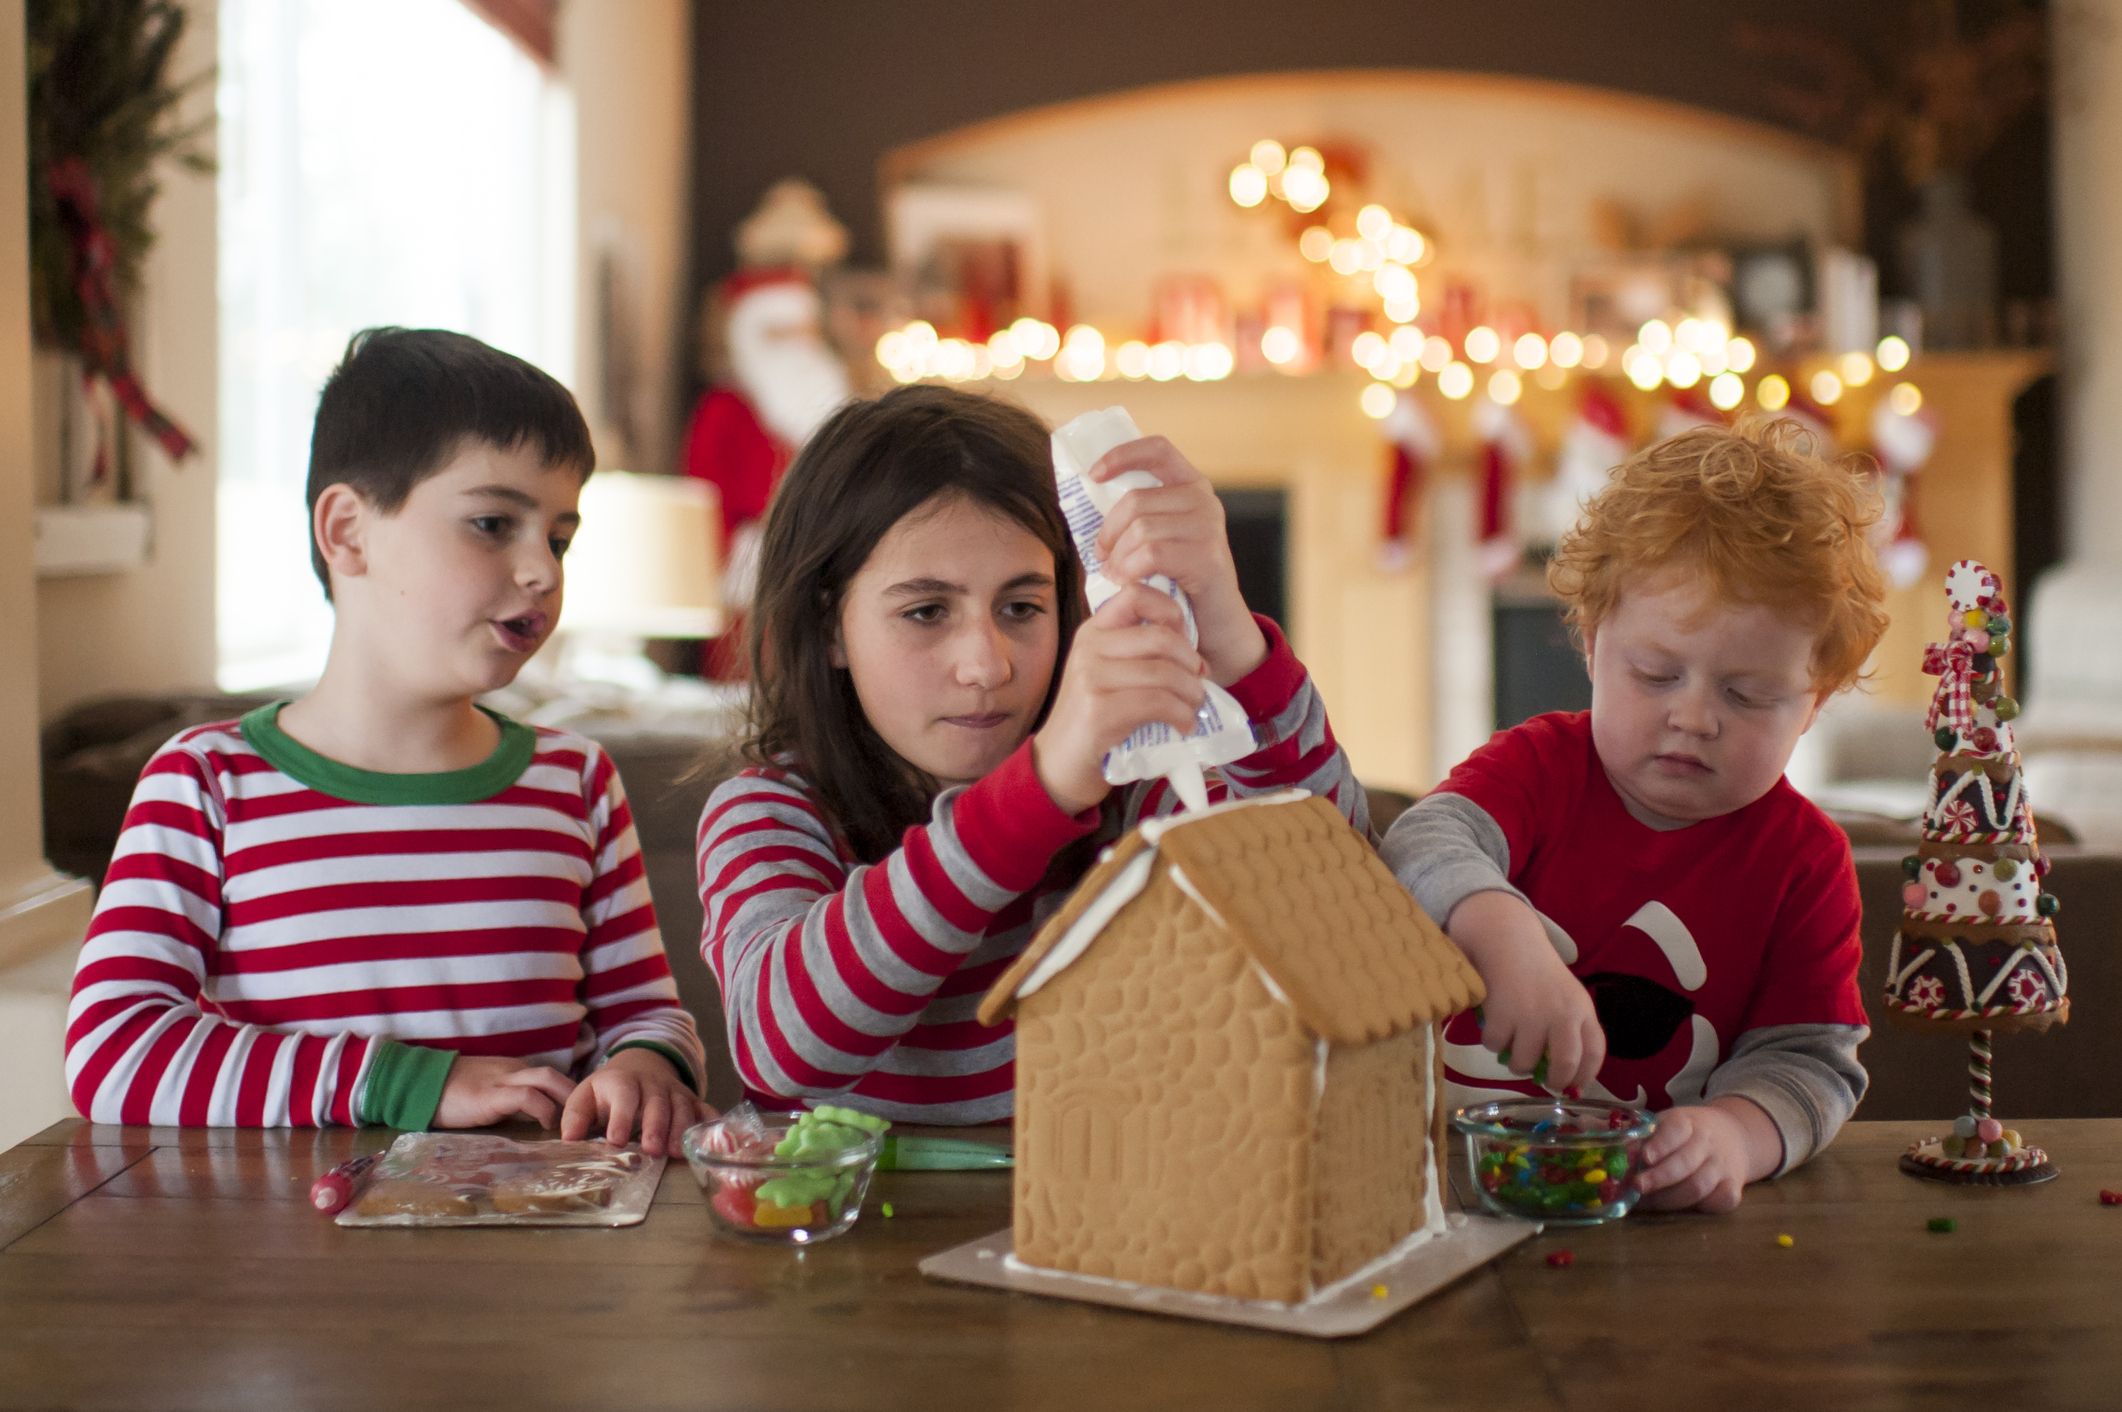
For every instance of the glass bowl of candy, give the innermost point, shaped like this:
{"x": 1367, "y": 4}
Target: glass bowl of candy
{"x": 787, "y": 1178}
{"x": 1559, "y": 1160}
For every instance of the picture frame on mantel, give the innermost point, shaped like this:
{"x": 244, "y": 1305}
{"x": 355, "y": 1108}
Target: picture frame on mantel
{"x": 974, "y": 256}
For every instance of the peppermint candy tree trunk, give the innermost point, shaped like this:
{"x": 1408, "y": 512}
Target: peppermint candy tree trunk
{"x": 1976, "y": 951}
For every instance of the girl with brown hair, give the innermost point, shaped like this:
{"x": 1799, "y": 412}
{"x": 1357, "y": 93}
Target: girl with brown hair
{"x": 932, "y": 704}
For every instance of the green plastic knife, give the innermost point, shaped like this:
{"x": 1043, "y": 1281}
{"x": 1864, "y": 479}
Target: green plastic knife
{"x": 913, "y": 1152}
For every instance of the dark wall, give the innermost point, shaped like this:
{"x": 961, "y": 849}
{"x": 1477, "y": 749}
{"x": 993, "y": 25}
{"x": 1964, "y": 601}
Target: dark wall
{"x": 823, "y": 88}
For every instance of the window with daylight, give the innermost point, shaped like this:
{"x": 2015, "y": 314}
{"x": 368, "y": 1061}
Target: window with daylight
{"x": 382, "y": 162}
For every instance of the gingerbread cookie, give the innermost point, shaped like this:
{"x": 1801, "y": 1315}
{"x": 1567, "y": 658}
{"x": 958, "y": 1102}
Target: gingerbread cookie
{"x": 421, "y": 1200}
{"x": 479, "y": 1179}
{"x": 553, "y": 1193}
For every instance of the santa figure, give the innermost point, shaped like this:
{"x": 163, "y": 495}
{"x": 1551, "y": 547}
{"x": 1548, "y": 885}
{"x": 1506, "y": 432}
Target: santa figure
{"x": 773, "y": 379}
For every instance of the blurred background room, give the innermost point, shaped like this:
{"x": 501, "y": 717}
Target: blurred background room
{"x": 1404, "y": 280}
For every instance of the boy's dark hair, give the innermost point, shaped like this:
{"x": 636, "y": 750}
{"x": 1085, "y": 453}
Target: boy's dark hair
{"x": 869, "y": 466}
{"x": 404, "y": 401}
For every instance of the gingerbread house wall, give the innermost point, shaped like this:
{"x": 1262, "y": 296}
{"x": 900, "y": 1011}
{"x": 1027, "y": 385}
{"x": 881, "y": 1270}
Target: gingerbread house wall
{"x": 1165, "y": 1112}
{"x": 1371, "y": 1165}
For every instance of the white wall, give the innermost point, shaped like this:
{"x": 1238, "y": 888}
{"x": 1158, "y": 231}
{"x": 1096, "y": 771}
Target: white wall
{"x": 629, "y": 67}
{"x": 2087, "y": 44}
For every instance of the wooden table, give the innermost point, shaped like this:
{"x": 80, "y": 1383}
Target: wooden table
{"x": 157, "y": 1268}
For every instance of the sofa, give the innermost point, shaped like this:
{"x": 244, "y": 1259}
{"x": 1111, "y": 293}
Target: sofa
{"x": 670, "y": 762}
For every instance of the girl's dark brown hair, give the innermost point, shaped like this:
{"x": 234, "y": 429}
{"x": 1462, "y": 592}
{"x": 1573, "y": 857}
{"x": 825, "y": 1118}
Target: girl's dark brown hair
{"x": 865, "y": 470}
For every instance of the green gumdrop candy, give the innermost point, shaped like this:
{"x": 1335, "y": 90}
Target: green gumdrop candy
{"x": 1944, "y": 737}
{"x": 818, "y": 1138}
{"x": 827, "y": 1129}
{"x": 795, "y": 1189}
{"x": 849, "y": 1118}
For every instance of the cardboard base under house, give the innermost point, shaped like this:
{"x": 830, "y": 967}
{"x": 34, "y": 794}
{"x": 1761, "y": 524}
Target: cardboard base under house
{"x": 1467, "y": 1243}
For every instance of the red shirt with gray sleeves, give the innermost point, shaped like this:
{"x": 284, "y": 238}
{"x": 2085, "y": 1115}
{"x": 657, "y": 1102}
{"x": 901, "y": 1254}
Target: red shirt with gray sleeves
{"x": 1721, "y": 957}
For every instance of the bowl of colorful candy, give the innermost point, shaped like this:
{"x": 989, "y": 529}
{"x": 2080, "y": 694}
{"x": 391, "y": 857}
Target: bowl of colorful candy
{"x": 1564, "y": 1161}
{"x": 791, "y": 1178}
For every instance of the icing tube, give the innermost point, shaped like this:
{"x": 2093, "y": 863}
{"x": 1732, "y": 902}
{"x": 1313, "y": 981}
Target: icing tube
{"x": 1220, "y": 732}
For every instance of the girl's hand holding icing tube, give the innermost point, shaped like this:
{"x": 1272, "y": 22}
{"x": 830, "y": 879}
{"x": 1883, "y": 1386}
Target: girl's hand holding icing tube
{"x": 1176, "y": 529}
{"x": 1130, "y": 664}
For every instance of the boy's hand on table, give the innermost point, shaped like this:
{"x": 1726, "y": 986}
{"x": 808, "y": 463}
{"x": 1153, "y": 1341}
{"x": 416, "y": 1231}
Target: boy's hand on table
{"x": 1177, "y": 529}
{"x": 1702, "y": 1156}
{"x": 1535, "y": 1007}
{"x": 634, "y": 1084}
{"x": 484, "y": 1089}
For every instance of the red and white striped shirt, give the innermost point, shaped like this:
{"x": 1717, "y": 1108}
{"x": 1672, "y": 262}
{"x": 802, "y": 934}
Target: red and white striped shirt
{"x": 285, "y": 940}
{"x": 859, "y": 982}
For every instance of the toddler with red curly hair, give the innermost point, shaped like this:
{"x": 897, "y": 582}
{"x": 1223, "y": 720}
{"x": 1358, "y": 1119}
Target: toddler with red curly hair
{"x": 1659, "y": 917}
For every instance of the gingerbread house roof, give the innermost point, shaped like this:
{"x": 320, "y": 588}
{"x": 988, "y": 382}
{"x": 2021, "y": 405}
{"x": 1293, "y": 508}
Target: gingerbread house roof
{"x": 1300, "y": 891}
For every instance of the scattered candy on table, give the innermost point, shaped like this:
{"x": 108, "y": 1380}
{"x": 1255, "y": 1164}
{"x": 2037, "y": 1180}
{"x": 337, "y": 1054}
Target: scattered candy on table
{"x": 1561, "y": 1259}
{"x": 1379, "y": 1291}
{"x": 886, "y": 1208}
{"x": 1786, "y": 1241}
{"x": 1941, "y": 1225}
{"x": 2111, "y": 1198}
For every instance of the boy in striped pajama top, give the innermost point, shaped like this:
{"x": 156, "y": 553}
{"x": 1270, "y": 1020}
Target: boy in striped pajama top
{"x": 382, "y": 903}
{"x": 927, "y": 785}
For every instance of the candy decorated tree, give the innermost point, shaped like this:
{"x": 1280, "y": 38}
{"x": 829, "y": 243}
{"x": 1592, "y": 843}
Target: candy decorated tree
{"x": 1976, "y": 951}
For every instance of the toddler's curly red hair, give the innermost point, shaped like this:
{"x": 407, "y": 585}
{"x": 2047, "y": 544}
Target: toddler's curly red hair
{"x": 1758, "y": 514}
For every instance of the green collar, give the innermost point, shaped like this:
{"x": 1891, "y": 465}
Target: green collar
{"x": 470, "y": 785}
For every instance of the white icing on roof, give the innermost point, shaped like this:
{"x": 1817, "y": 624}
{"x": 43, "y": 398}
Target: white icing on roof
{"x": 1127, "y": 884}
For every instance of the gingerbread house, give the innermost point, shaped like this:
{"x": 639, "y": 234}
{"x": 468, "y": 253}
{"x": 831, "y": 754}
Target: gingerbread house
{"x": 1228, "y": 1075}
